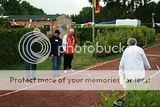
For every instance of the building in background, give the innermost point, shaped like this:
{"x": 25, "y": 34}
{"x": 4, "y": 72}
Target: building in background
{"x": 49, "y": 22}
{"x": 121, "y": 22}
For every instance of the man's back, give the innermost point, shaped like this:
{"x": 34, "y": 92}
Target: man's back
{"x": 134, "y": 62}
{"x": 133, "y": 58}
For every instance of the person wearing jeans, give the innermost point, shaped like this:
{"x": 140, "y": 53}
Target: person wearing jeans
{"x": 30, "y": 67}
{"x": 56, "y": 49}
{"x": 56, "y": 64}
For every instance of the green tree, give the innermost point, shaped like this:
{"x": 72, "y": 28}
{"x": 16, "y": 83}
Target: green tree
{"x": 84, "y": 16}
{"x": 144, "y": 12}
{"x": 121, "y": 9}
{"x": 32, "y": 10}
{"x": 18, "y": 7}
{"x": 13, "y": 7}
{"x": 157, "y": 15}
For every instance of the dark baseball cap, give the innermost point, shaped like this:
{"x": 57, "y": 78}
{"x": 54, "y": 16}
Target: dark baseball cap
{"x": 57, "y": 31}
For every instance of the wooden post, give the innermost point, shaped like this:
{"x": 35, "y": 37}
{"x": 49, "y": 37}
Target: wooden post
{"x": 93, "y": 21}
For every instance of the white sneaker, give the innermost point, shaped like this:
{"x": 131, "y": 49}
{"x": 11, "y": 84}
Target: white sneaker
{"x": 72, "y": 70}
{"x": 65, "y": 71}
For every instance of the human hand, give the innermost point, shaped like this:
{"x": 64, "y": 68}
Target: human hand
{"x": 51, "y": 56}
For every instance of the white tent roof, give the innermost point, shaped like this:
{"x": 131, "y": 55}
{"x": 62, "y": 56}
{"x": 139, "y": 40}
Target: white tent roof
{"x": 128, "y": 22}
{"x": 3, "y": 16}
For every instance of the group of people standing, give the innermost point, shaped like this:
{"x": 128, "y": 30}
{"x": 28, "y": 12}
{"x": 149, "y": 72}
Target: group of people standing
{"x": 59, "y": 48}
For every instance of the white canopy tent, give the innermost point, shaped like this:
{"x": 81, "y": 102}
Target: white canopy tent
{"x": 3, "y": 16}
{"x": 128, "y": 22}
{"x": 158, "y": 24}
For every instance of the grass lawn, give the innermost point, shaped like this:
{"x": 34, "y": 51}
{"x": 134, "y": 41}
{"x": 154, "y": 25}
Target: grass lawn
{"x": 80, "y": 61}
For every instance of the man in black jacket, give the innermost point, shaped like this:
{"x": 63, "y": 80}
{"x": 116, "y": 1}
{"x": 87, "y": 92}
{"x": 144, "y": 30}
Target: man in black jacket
{"x": 56, "y": 49}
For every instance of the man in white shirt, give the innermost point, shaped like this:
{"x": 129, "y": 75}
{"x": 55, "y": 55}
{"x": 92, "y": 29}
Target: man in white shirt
{"x": 133, "y": 63}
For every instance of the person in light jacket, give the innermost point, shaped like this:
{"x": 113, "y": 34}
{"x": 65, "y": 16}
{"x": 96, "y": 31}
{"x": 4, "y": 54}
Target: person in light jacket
{"x": 68, "y": 48}
{"x": 133, "y": 63}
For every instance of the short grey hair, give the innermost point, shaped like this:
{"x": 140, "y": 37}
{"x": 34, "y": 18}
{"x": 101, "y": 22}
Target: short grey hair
{"x": 71, "y": 30}
{"x": 37, "y": 29}
{"x": 131, "y": 41}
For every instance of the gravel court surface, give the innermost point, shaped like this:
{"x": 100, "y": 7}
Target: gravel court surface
{"x": 68, "y": 98}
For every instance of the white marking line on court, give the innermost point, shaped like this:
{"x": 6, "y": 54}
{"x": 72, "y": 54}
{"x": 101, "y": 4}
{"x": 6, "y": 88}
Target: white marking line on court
{"x": 9, "y": 93}
{"x": 151, "y": 55}
{"x": 152, "y": 46}
{"x": 74, "y": 73}
{"x": 92, "y": 67}
{"x": 153, "y": 75}
{"x": 13, "y": 92}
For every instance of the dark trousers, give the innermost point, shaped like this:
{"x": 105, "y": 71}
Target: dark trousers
{"x": 68, "y": 61}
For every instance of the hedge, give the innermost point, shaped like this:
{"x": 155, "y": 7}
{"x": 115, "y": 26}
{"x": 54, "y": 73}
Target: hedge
{"x": 150, "y": 25}
{"x": 86, "y": 32}
{"x": 9, "y": 39}
{"x": 4, "y": 23}
{"x": 113, "y": 35}
{"x": 157, "y": 29}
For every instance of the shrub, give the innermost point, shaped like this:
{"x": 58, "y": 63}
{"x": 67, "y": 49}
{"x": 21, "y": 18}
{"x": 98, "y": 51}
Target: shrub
{"x": 9, "y": 39}
{"x": 142, "y": 98}
{"x": 86, "y": 33}
{"x": 4, "y": 23}
{"x": 107, "y": 99}
{"x": 148, "y": 33}
{"x": 139, "y": 35}
{"x": 113, "y": 35}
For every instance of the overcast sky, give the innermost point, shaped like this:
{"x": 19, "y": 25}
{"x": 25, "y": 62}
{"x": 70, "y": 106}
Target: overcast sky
{"x": 61, "y": 6}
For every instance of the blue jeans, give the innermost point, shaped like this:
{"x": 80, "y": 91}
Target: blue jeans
{"x": 56, "y": 65}
{"x": 29, "y": 66}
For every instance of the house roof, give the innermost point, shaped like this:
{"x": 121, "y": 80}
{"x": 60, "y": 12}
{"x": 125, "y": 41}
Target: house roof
{"x": 33, "y": 17}
{"x": 108, "y": 22}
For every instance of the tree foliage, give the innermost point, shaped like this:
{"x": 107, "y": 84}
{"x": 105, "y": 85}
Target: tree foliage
{"x": 121, "y": 9}
{"x": 84, "y": 15}
{"x": 18, "y": 7}
{"x": 32, "y": 10}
